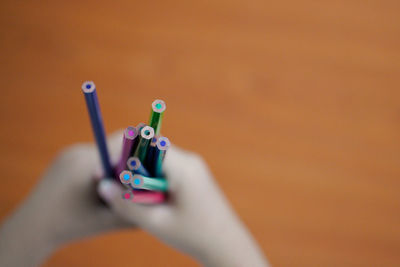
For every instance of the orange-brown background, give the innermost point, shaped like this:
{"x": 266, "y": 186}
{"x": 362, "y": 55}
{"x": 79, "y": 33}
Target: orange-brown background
{"x": 294, "y": 104}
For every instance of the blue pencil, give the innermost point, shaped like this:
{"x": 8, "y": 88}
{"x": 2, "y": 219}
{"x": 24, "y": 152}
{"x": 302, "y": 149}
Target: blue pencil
{"x": 136, "y": 166}
{"x": 92, "y": 103}
{"x": 162, "y": 146}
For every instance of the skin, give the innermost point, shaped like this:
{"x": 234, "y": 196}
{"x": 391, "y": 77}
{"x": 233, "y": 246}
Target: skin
{"x": 65, "y": 207}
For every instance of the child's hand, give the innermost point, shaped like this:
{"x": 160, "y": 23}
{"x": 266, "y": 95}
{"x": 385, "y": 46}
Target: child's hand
{"x": 197, "y": 220}
{"x": 64, "y": 206}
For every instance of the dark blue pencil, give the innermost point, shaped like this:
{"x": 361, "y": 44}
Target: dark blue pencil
{"x": 136, "y": 166}
{"x": 92, "y": 103}
{"x": 162, "y": 146}
{"x": 149, "y": 162}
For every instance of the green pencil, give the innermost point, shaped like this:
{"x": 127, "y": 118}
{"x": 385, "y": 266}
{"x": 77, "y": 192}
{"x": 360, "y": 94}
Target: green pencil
{"x": 157, "y": 110}
{"x": 146, "y": 134}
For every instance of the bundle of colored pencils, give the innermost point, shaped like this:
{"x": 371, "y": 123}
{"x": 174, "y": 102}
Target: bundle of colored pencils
{"x": 143, "y": 150}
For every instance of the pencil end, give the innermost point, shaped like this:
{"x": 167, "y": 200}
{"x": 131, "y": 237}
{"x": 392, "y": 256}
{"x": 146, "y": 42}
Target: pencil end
{"x": 88, "y": 87}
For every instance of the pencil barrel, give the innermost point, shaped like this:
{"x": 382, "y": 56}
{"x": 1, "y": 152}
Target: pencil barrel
{"x": 129, "y": 138}
{"x": 162, "y": 146}
{"x": 144, "y": 139}
{"x": 144, "y": 197}
{"x": 157, "y": 110}
{"x": 148, "y": 198}
{"x": 92, "y": 103}
{"x": 150, "y": 157}
{"x": 149, "y": 183}
{"x": 136, "y": 166}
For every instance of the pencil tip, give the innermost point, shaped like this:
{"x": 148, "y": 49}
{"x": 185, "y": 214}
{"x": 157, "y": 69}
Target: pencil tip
{"x": 88, "y": 87}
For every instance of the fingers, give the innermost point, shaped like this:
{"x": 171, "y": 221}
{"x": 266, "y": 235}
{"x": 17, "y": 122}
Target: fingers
{"x": 180, "y": 164}
{"x": 174, "y": 167}
{"x": 177, "y": 160}
{"x": 174, "y": 158}
{"x": 146, "y": 216}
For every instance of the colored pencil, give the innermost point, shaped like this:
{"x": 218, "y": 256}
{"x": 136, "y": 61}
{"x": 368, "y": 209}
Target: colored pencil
{"x": 149, "y": 163}
{"x": 125, "y": 177}
{"x": 127, "y": 195}
{"x": 92, "y": 103}
{"x": 136, "y": 166}
{"x": 144, "y": 197}
{"x": 129, "y": 139}
{"x": 140, "y": 126}
{"x": 149, "y": 183}
{"x": 163, "y": 144}
{"x": 157, "y": 110}
{"x": 144, "y": 139}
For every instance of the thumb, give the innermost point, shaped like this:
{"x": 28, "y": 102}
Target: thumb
{"x": 145, "y": 216}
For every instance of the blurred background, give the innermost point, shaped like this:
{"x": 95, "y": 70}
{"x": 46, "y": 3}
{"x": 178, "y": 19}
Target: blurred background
{"x": 294, "y": 105}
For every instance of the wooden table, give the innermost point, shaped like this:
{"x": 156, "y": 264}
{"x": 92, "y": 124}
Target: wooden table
{"x": 294, "y": 105}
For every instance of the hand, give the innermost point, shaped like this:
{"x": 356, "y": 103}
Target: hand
{"x": 198, "y": 220}
{"x": 63, "y": 207}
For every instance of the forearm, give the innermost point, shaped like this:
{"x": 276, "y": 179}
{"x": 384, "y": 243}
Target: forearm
{"x": 233, "y": 246}
{"x": 23, "y": 241}
{"x": 229, "y": 243}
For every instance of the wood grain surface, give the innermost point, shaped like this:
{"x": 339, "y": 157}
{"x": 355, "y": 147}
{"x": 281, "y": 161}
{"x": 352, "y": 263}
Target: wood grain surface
{"x": 294, "y": 105}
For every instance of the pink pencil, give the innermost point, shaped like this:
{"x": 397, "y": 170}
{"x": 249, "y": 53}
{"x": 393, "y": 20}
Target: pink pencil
{"x": 144, "y": 197}
{"x": 130, "y": 135}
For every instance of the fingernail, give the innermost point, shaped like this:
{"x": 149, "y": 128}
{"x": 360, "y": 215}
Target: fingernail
{"x": 107, "y": 189}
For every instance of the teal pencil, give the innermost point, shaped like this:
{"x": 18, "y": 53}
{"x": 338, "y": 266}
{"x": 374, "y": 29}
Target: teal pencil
{"x": 163, "y": 144}
{"x": 149, "y": 183}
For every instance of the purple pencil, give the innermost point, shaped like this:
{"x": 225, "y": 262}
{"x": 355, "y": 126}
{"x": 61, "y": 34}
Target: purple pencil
{"x": 130, "y": 135}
